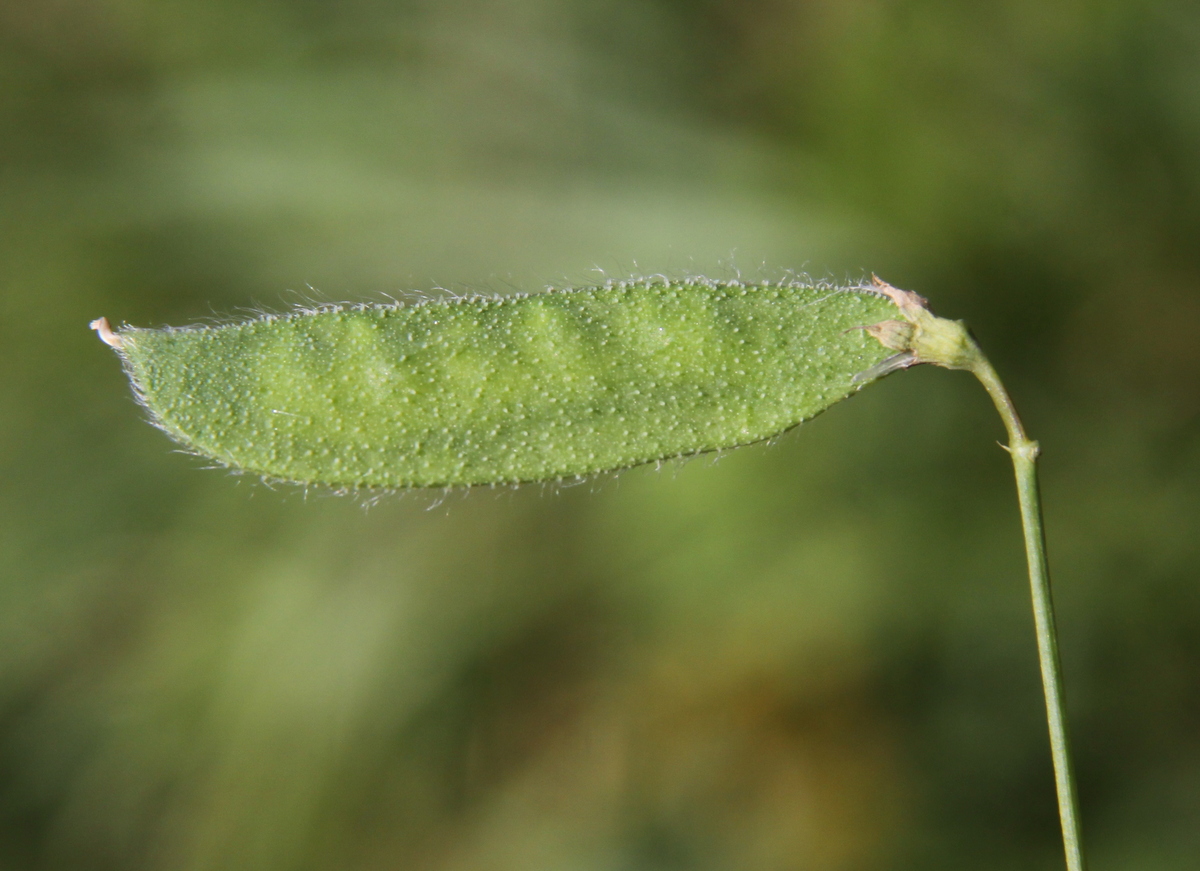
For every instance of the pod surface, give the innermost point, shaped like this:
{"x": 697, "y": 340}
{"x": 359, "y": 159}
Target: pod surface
{"x": 490, "y": 390}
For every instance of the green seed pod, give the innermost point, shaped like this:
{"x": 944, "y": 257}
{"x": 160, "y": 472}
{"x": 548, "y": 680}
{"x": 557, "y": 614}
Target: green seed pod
{"x": 489, "y": 390}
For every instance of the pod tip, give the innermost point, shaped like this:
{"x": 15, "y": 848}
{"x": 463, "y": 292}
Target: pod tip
{"x": 106, "y": 334}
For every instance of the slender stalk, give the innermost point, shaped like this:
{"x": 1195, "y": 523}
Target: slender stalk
{"x": 1024, "y": 452}
{"x": 923, "y": 337}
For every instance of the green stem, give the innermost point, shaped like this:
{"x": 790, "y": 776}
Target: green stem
{"x": 1024, "y": 452}
{"x": 923, "y": 337}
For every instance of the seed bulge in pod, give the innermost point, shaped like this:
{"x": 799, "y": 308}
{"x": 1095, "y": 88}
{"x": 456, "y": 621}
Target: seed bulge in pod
{"x": 487, "y": 390}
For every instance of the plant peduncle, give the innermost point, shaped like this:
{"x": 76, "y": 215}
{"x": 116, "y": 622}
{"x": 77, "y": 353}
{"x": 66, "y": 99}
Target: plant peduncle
{"x": 923, "y": 337}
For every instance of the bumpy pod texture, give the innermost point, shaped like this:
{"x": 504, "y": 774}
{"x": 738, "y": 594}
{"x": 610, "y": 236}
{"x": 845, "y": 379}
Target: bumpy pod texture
{"x": 503, "y": 390}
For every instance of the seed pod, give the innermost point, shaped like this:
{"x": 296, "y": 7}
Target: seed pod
{"x": 489, "y": 390}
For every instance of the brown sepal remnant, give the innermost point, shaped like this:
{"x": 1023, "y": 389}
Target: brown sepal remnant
{"x": 928, "y": 338}
{"x": 905, "y": 300}
{"x": 896, "y": 335}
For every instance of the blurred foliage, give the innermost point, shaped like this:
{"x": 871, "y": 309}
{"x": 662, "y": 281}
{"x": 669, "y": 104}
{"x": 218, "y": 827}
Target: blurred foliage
{"x": 815, "y": 654}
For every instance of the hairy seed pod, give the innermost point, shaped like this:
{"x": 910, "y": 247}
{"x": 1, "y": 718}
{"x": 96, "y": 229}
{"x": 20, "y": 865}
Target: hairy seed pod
{"x": 489, "y": 390}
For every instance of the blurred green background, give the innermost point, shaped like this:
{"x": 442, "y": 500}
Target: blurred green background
{"x": 814, "y": 654}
